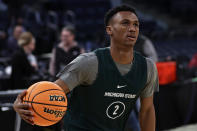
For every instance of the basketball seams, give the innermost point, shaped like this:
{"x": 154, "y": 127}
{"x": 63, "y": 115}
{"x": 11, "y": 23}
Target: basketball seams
{"x": 37, "y": 97}
{"x": 42, "y": 116}
{"x": 44, "y": 104}
{"x": 24, "y": 98}
{"x": 32, "y": 90}
{"x": 45, "y": 91}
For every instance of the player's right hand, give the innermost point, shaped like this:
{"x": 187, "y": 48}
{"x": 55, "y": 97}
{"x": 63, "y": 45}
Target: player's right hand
{"x": 22, "y": 108}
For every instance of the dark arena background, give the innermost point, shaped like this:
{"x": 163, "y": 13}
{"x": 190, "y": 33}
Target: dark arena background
{"x": 170, "y": 26}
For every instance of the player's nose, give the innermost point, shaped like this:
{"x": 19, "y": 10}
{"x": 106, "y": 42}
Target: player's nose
{"x": 131, "y": 28}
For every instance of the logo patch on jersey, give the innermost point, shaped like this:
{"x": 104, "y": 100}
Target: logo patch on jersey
{"x": 119, "y": 86}
{"x": 115, "y": 109}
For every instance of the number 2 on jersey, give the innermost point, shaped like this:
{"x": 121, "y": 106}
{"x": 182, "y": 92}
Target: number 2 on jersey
{"x": 116, "y": 109}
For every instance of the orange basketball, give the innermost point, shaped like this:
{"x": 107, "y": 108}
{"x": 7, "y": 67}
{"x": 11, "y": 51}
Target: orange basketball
{"x": 48, "y": 102}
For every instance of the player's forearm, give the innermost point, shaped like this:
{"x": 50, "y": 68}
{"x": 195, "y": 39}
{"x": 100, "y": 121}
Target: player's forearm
{"x": 62, "y": 85}
{"x": 147, "y": 119}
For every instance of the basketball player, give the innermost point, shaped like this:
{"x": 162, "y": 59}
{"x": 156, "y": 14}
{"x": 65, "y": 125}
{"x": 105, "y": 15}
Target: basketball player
{"x": 106, "y": 83}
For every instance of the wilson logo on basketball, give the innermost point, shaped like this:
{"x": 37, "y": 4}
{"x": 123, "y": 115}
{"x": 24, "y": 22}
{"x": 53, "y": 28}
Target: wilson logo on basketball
{"x": 56, "y": 98}
{"x": 55, "y": 112}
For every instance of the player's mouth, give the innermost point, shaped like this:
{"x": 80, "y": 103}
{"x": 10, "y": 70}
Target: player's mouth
{"x": 131, "y": 37}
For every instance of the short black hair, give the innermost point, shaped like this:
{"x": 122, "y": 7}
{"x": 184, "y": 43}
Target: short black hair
{"x": 70, "y": 28}
{"x": 115, "y": 10}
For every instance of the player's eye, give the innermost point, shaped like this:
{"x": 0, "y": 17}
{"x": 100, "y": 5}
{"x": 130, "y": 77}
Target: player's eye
{"x": 136, "y": 24}
{"x": 125, "y": 23}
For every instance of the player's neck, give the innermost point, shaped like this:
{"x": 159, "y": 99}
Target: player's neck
{"x": 121, "y": 55}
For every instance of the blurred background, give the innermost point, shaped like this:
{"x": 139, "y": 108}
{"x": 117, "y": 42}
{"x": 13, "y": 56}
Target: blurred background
{"x": 168, "y": 35}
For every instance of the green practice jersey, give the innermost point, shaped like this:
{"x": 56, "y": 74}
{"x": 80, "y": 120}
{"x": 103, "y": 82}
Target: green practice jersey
{"x": 106, "y": 104}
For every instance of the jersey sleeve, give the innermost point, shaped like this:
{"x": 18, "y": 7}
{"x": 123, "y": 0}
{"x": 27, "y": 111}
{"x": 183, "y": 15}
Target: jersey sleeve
{"x": 79, "y": 71}
{"x": 152, "y": 84}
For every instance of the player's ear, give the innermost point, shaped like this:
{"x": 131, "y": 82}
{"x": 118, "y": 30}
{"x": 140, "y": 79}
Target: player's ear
{"x": 109, "y": 30}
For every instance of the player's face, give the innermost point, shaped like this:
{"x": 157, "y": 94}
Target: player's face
{"x": 31, "y": 45}
{"x": 67, "y": 36}
{"x": 18, "y": 31}
{"x": 124, "y": 27}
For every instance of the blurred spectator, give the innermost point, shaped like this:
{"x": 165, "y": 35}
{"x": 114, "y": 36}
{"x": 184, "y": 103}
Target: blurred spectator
{"x": 12, "y": 43}
{"x": 193, "y": 62}
{"x": 14, "y": 9}
{"x": 146, "y": 47}
{"x": 24, "y": 63}
{"x": 65, "y": 51}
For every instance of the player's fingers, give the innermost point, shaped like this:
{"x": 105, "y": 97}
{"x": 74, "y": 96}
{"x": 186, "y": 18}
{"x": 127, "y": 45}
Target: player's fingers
{"x": 21, "y": 95}
{"x": 18, "y": 100}
{"x": 20, "y": 106}
{"x": 28, "y": 119}
{"x": 26, "y": 112}
{"x": 23, "y": 106}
